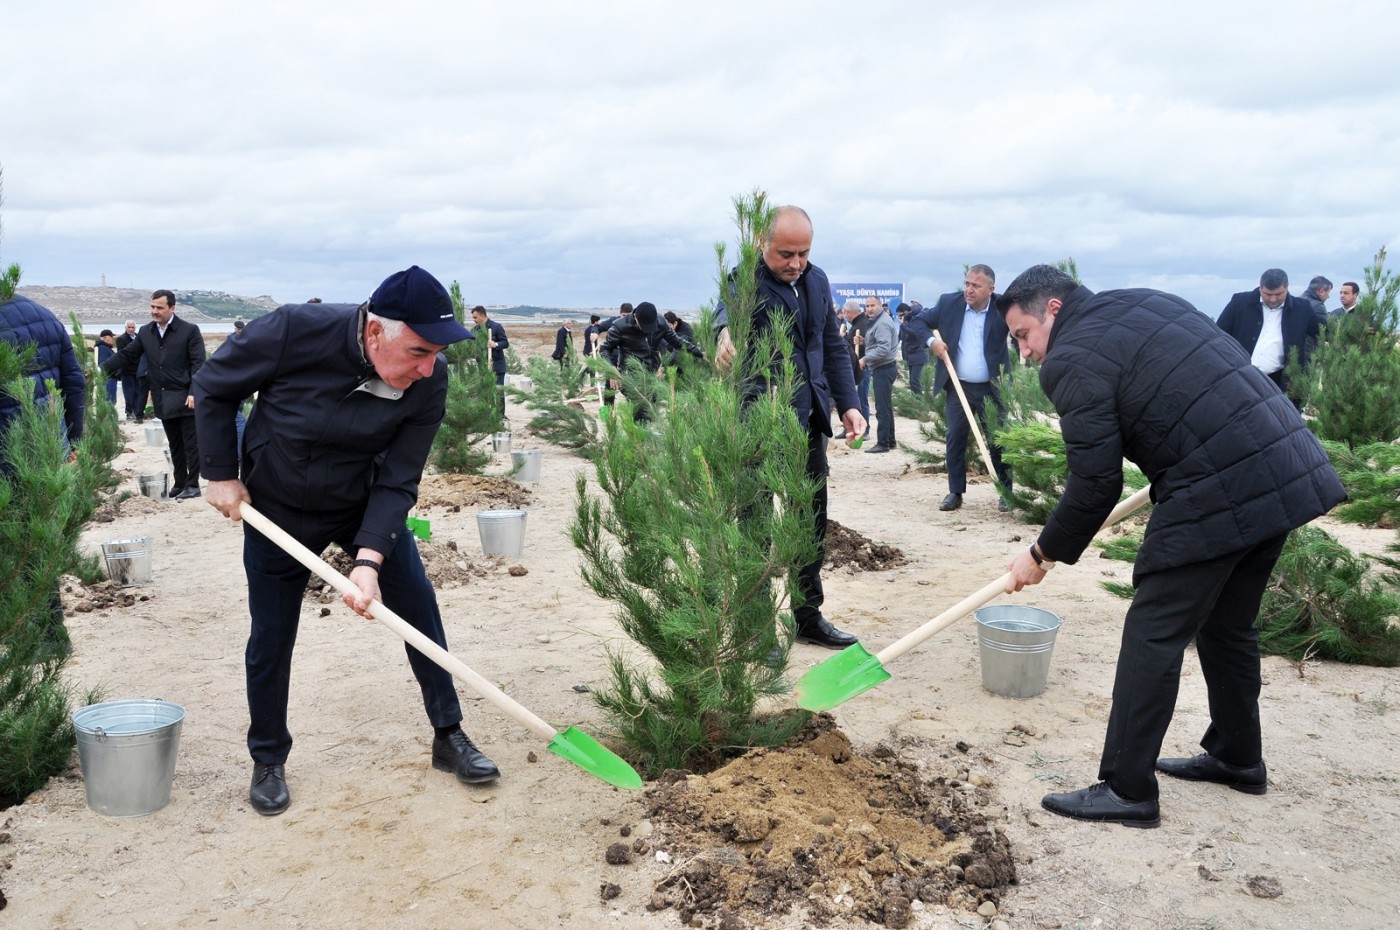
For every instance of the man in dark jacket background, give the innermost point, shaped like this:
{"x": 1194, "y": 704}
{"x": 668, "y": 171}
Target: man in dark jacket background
{"x": 639, "y": 337}
{"x": 563, "y": 342}
{"x": 788, "y": 282}
{"x": 134, "y": 389}
{"x": 1139, "y": 374}
{"x": 174, "y": 351}
{"x": 495, "y": 335}
{"x": 912, "y": 348}
{"x": 349, "y": 401}
{"x": 1271, "y": 324}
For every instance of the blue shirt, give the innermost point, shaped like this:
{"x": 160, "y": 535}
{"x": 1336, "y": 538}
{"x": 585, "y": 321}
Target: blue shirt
{"x": 972, "y": 360}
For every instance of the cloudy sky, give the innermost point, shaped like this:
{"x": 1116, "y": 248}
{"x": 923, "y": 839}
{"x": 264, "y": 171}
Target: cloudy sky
{"x": 582, "y": 154}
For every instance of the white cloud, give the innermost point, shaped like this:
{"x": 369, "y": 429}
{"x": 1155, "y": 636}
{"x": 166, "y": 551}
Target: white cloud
{"x": 579, "y": 154}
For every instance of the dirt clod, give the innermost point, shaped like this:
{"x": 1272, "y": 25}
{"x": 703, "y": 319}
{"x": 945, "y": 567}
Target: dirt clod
{"x": 518, "y": 571}
{"x": 898, "y": 913}
{"x": 609, "y": 890}
{"x": 1264, "y": 886}
{"x": 618, "y": 854}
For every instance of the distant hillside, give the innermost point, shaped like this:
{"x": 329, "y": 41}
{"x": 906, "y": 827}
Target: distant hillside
{"x": 111, "y": 304}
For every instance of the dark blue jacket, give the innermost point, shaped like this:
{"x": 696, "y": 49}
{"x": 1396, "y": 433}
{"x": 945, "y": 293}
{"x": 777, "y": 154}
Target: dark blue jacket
{"x": 819, "y": 354}
{"x": 1243, "y": 318}
{"x": 1141, "y": 375}
{"x": 625, "y": 340}
{"x": 946, "y": 316}
{"x": 913, "y": 347}
{"x": 318, "y": 439}
{"x": 563, "y": 340}
{"x": 22, "y": 321}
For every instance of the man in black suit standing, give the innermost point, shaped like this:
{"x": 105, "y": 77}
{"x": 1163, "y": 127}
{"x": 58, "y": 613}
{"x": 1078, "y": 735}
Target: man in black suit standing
{"x": 174, "y": 351}
{"x": 496, "y": 340}
{"x": 563, "y": 343}
{"x": 977, "y": 339}
{"x": 1271, "y": 325}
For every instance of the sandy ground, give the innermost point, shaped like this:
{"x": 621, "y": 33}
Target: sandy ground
{"x": 375, "y": 837}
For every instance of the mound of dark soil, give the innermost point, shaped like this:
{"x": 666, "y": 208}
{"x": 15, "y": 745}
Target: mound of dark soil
{"x": 85, "y": 598}
{"x": 447, "y": 566}
{"x": 849, "y": 549}
{"x": 823, "y": 828}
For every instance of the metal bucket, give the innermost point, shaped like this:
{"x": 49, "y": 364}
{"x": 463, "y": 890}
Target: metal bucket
{"x": 128, "y": 560}
{"x": 502, "y": 531}
{"x": 127, "y": 750}
{"x": 525, "y": 384}
{"x": 1016, "y": 643}
{"x": 155, "y": 435}
{"x": 155, "y": 487}
{"x": 527, "y": 464}
{"x": 500, "y": 442}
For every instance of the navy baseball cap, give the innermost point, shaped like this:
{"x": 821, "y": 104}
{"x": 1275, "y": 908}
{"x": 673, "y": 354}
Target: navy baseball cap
{"x": 422, "y": 303}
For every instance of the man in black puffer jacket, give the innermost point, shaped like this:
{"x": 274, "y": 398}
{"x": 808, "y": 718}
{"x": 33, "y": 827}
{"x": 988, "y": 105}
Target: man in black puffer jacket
{"x": 640, "y": 336}
{"x": 1140, "y": 374}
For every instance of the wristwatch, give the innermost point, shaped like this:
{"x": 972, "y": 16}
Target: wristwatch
{"x": 1040, "y": 559}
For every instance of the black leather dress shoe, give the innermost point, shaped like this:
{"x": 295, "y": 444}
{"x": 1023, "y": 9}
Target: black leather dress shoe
{"x": 1003, "y": 506}
{"x": 456, "y": 753}
{"x": 174, "y": 493}
{"x": 1251, "y": 779}
{"x": 1101, "y": 804}
{"x": 878, "y": 448}
{"x": 820, "y": 632}
{"x": 268, "y": 793}
{"x": 951, "y": 502}
{"x": 187, "y": 493}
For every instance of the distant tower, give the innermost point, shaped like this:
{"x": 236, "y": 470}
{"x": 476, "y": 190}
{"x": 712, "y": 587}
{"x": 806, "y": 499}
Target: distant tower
{"x": 104, "y": 279}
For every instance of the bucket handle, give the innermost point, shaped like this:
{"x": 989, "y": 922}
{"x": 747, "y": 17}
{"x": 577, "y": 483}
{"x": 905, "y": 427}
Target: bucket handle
{"x": 100, "y": 734}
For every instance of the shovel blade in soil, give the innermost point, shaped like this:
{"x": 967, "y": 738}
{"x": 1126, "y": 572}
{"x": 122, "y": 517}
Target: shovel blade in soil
{"x": 851, "y": 671}
{"x": 594, "y": 758}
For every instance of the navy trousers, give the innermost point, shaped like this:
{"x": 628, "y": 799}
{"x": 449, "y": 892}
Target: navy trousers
{"x": 809, "y": 577}
{"x": 959, "y": 432}
{"x": 276, "y": 583}
{"x": 1216, "y": 603}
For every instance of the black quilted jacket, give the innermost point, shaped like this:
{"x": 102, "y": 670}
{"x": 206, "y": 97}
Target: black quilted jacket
{"x": 1142, "y": 375}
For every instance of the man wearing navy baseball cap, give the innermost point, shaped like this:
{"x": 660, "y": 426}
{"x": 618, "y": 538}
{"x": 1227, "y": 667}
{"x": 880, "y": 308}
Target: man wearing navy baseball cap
{"x": 349, "y": 400}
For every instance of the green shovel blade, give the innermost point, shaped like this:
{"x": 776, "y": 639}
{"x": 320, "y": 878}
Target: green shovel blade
{"x": 851, "y": 671}
{"x": 594, "y": 758}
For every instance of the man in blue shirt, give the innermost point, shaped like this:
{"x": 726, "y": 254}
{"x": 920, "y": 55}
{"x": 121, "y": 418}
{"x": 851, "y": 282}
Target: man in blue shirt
{"x": 977, "y": 338}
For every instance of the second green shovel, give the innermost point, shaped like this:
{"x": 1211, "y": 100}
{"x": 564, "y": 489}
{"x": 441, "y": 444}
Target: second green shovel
{"x": 854, "y": 670}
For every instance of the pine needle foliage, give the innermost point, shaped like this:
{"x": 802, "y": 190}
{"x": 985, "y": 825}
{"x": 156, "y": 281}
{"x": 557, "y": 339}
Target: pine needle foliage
{"x": 1321, "y": 604}
{"x": 560, "y": 417}
{"x": 705, "y": 513}
{"x": 1371, "y": 476}
{"x": 928, "y": 411}
{"x": 1120, "y": 548}
{"x": 1351, "y": 388}
{"x": 44, "y": 503}
{"x": 473, "y": 413}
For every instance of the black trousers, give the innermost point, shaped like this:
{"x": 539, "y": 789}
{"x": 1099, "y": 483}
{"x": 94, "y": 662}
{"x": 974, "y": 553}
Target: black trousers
{"x": 959, "y": 432}
{"x": 276, "y": 582}
{"x": 809, "y": 577}
{"x": 1216, "y": 603}
{"x": 916, "y": 376}
{"x": 134, "y": 394}
{"x": 882, "y": 379}
{"x": 184, "y": 450}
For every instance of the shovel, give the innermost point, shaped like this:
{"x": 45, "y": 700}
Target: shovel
{"x": 971, "y": 418}
{"x": 853, "y": 670}
{"x": 572, "y": 745}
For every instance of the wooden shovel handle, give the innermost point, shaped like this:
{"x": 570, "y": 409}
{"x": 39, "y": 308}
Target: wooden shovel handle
{"x": 981, "y": 597}
{"x": 393, "y": 621}
{"x": 971, "y": 417}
